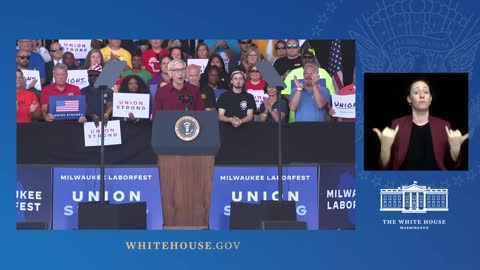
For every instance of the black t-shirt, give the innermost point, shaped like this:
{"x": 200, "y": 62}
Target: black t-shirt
{"x": 236, "y": 104}
{"x": 420, "y": 154}
{"x": 283, "y": 64}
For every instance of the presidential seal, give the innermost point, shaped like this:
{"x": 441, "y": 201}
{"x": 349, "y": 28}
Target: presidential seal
{"x": 187, "y": 128}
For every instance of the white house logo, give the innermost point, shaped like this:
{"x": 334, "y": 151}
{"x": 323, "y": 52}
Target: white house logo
{"x": 414, "y": 199}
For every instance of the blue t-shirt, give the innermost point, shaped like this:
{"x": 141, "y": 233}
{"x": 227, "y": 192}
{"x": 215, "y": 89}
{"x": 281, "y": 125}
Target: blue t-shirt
{"x": 307, "y": 110}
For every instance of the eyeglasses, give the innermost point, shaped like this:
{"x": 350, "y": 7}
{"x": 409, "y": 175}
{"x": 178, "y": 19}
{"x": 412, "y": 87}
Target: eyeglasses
{"x": 280, "y": 48}
{"x": 245, "y": 42}
{"x": 254, "y": 71}
{"x": 57, "y": 50}
{"x": 23, "y": 57}
{"x": 292, "y": 46}
{"x": 307, "y": 57}
{"x": 178, "y": 70}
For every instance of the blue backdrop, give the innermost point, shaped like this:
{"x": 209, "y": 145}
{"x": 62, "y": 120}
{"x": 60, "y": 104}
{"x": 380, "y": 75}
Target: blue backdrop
{"x": 391, "y": 36}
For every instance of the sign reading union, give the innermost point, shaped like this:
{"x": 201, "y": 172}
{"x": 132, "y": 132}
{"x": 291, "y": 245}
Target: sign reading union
{"x": 187, "y": 128}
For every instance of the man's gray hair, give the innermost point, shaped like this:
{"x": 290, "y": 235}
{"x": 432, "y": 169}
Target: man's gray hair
{"x": 173, "y": 62}
{"x": 61, "y": 66}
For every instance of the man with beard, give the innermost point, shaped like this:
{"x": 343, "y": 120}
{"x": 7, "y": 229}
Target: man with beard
{"x": 310, "y": 100}
{"x": 168, "y": 96}
{"x": 236, "y": 106}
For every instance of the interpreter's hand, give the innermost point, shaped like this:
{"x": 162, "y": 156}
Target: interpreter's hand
{"x": 455, "y": 140}
{"x": 33, "y": 106}
{"x": 387, "y": 136}
{"x": 298, "y": 84}
{"x": 82, "y": 119}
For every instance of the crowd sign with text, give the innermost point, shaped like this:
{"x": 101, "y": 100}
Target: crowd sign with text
{"x": 66, "y": 107}
{"x": 337, "y": 197}
{"x": 344, "y": 106}
{"x": 79, "y": 47}
{"x": 258, "y": 95}
{"x": 202, "y": 63}
{"x": 34, "y": 194}
{"x": 77, "y": 77}
{"x": 31, "y": 75}
{"x": 122, "y": 185}
{"x": 125, "y": 103}
{"x": 93, "y": 135}
{"x": 255, "y": 184}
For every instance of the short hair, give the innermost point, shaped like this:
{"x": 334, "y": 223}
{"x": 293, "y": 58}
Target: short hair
{"x": 173, "y": 62}
{"x": 194, "y": 67}
{"x": 60, "y": 66}
{"x": 235, "y": 72}
{"x": 19, "y": 70}
{"x": 296, "y": 40}
{"x": 310, "y": 65}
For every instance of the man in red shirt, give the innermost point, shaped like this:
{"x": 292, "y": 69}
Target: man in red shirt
{"x": 59, "y": 88}
{"x": 168, "y": 97}
{"x": 28, "y": 108}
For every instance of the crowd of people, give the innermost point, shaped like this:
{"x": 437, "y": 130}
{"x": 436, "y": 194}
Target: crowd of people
{"x": 160, "y": 68}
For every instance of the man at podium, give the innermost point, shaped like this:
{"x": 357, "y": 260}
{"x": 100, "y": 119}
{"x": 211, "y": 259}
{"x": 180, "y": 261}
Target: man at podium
{"x": 178, "y": 94}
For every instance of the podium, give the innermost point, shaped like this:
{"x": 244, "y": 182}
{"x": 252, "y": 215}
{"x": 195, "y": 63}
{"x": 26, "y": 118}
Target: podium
{"x": 186, "y": 143}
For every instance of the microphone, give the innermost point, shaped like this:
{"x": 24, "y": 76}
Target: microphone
{"x": 190, "y": 98}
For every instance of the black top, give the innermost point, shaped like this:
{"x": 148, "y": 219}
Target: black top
{"x": 283, "y": 108}
{"x": 420, "y": 154}
{"x": 208, "y": 96}
{"x": 236, "y": 104}
{"x": 283, "y": 64}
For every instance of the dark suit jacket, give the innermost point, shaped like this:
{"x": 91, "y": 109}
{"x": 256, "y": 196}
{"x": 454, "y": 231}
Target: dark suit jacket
{"x": 48, "y": 72}
{"x": 441, "y": 148}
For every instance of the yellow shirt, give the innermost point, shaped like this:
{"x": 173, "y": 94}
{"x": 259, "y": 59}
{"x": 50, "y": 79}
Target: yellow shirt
{"x": 123, "y": 54}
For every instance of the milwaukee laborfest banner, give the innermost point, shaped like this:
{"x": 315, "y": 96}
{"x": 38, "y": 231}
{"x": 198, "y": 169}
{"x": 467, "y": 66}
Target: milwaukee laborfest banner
{"x": 122, "y": 185}
{"x": 255, "y": 184}
{"x": 337, "y": 197}
{"x": 34, "y": 194}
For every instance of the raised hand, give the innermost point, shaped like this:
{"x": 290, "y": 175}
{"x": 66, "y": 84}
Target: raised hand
{"x": 455, "y": 140}
{"x": 387, "y": 136}
{"x": 298, "y": 84}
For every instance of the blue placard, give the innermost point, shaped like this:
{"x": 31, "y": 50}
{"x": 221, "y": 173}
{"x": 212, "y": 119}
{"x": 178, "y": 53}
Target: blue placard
{"x": 66, "y": 107}
{"x": 122, "y": 185}
{"x": 254, "y": 184}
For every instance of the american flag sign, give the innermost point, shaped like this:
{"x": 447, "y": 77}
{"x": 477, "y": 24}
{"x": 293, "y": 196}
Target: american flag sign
{"x": 67, "y": 106}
